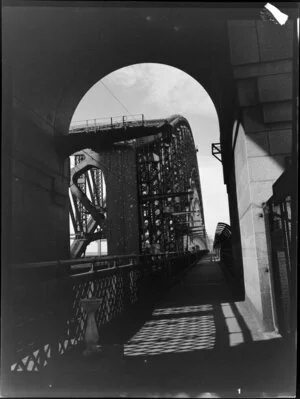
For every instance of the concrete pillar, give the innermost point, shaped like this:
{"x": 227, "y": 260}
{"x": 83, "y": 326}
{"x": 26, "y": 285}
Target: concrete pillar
{"x": 40, "y": 225}
{"x": 40, "y": 181}
{"x": 237, "y": 266}
{"x": 262, "y": 67}
{"x": 254, "y": 178}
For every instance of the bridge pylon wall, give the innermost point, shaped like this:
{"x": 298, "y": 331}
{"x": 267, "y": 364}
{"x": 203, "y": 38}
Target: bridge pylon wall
{"x": 261, "y": 147}
{"x": 40, "y": 180}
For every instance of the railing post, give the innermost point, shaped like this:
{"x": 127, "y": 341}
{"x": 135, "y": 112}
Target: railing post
{"x": 91, "y": 337}
{"x": 62, "y": 291}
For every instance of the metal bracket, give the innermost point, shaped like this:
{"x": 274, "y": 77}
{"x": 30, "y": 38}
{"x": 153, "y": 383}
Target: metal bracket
{"x": 216, "y": 150}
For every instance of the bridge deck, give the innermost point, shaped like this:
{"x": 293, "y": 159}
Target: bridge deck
{"x": 196, "y": 339}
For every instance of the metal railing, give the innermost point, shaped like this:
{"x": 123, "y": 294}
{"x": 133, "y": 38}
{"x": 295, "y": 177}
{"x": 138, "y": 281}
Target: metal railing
{"x": 92, "y": 125}
{"x": 47, "y": 317}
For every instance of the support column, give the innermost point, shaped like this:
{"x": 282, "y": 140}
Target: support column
{"x": 255, "y": 174}
{"x": 261, "y": 56}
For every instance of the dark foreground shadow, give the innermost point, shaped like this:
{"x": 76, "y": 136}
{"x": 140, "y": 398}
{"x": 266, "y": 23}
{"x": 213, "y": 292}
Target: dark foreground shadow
{"x": 193, "y": 342}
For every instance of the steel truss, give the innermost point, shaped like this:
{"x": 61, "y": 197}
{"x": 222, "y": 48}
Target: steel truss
{"x": 168, "y": 182}
{"x": 88, "y": 221}
{"x": 170, "y": 201}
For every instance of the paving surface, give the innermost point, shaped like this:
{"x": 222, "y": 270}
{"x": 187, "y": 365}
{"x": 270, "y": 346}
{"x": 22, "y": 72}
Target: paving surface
{"x": 198, "y": 341}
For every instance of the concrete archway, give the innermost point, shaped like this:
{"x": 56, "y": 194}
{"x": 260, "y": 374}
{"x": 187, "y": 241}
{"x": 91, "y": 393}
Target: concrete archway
{"x": 53, "y": 54}
{"x": 84, "y": 47}
{"x": 75, "y": 93}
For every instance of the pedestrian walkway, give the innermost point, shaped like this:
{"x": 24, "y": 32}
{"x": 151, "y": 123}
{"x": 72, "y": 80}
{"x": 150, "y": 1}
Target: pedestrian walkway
{"x": 198, "y": 342}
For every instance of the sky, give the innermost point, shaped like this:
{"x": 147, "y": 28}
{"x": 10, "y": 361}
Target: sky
{"x": 159, "y": 91}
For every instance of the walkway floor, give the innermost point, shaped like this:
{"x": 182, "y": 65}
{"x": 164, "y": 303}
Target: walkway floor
{"x": 198, "y": 342}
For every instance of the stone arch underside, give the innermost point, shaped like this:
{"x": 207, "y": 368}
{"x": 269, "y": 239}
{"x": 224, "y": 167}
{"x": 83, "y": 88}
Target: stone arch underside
{"x": 63, "y": 63}
{"x": 53, "y": 55}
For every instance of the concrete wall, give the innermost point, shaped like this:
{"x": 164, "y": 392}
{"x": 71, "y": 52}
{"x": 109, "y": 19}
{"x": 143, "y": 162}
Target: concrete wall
{"x": 55, "y": 55}
{"x": 250, "y": 261}
{"x": 263, "y": 77}
{"x": 255, "y": 175}
{"x": 40, "y": 222}
{"x": 237, "y": 262}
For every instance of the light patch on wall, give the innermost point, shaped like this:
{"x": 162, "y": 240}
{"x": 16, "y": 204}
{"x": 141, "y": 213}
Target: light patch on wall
{"x": 276, "y": 15}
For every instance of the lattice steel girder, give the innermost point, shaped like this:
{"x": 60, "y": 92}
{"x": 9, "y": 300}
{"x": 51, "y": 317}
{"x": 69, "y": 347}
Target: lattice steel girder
{"x": 167, "y": 173}
{"x": 154, "y": 197}
{"x": 217, "y": 151}
{"x": 89, "y": 213}
{"x": 104, "y": 138}
{"x": 168, "y": 181}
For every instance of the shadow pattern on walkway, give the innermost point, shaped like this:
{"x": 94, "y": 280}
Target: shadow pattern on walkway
{"x": 194, "y": 343}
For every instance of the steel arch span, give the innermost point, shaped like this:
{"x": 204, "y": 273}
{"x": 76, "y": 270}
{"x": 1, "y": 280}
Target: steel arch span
{"x": 169, "y": 200}
{"x": 171, "y": 210}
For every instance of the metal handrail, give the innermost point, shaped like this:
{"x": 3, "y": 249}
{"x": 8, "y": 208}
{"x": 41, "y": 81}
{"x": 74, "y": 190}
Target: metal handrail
{"x": 92, "y": 259}
{"x": 66, "y": 325}
{"x": 104, "y": 272}
{"x": 106, "y": 122}
{"x": 70, "y": 262}
{"x": 106, "y": 118}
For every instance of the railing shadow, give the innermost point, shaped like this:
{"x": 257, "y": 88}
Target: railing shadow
{"x": 48, "y": 321}
{"x": 188, "y": 350}
{"x": 195, "y": 340}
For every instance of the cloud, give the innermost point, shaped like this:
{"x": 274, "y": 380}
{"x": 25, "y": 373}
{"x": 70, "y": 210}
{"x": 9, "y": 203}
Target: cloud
{"x": 129, "y": 76}
{"x": 167, "y": 87}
